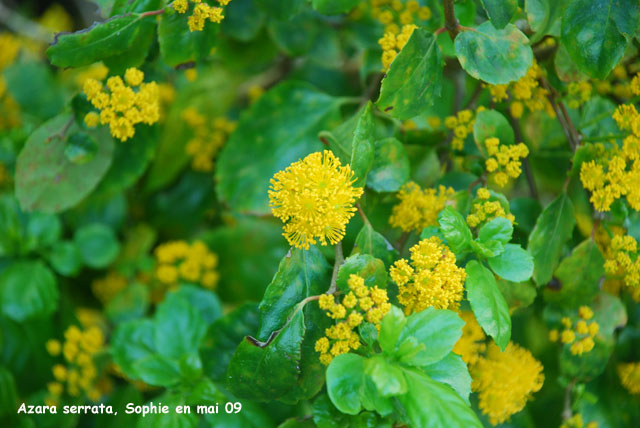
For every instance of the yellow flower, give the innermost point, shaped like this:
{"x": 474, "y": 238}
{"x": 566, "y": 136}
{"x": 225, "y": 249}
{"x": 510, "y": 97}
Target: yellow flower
{"x": 434, "y": 279}
{"x": 419, "y": 208}
{"x": 505, "y": 381}
{"x": 486, "y": 210}
{"x": 107, "y": 287}
{"x": 471, "y": 344}
{"x": 92, "y": 119}
{"x": 629, "y": 374}
{"x": 315, "y": 199}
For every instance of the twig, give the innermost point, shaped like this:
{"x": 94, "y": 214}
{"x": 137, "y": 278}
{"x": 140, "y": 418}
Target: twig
{"x": 152, "y": 12}
{"x": 63, "y": 132}
{"x": 561, "y": 113}
{"x": 336, "y": 266}
{"x": 363, "y": 215}
{"x": 371, "y": 89}
{"x": 450, "y": 21}
{"x": 566, "y": 412}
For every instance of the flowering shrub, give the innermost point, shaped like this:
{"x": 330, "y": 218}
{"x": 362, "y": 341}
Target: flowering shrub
{"x": 320, "y": 213}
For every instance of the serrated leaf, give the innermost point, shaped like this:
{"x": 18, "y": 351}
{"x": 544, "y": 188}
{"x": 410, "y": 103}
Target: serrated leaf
{"x": 495, "y": 56}
{"x": 514, "y": 264}
{"x": 46, "y": 180}
{"x": 414, "y": 79}
{"x": 280, "y": 128}
{"x": 552, "y": 230}
{"x": 488, "y": 304}
{"x": 596, "y": 32}
{"x": 500, "y": 12}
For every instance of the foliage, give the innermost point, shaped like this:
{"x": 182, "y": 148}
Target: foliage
{"x": 332, "y": 213}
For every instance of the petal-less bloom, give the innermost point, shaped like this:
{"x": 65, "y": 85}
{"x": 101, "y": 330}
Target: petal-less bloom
{"x": 419, "y": 208}
{"x": 505, "y": 381}
{"x": 630, "y": 376}
{"x": 471, "y": 344}
{"x": 315, "y": 199}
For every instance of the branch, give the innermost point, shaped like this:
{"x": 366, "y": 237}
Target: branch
{"x": 338, "y": 262}
{"x": 23, "y": 26}
{"x": 450, "y": 21}
{"x": 566, "y": 412}
{"x": 363, "y": 215}
{"x": 563, "y": 117}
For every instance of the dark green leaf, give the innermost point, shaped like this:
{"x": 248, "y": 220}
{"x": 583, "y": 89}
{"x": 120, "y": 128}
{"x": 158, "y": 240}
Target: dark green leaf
{"x": 97, "y": 244}
{"x": 334, "y": 7}
{"x": 596, "y": 32}
{"x": 80, "y": 148}
{"x": 495, "y": 56}
{"x": 368, "y": 267}
{"x": 282, "y": 9}
{"x": 132, "y": 341}
{"x": 280, "y": 128}
{"x": 491, "y": 123}
{"x": 179, "y": 45}
{"x": 500, "y": 12}
{"x": 243, "y": 19}
{"x": 455, "y": 229}
{"x": 414, "y": 79}
{"x": 362, "y": 146}
{"x": 8, "y": 393}
{"x": 65, "y": 258}
{"x": 46, "y": 180}
{"x": 544, "y": 17}
{"x": 34, "y": 88}
{"x": 514, "y": 264}
{"x": 371, "y": 242}
{"x": 517, "y": 295}
{"x": 552, "y": 230}
{"x": 390, "y": 168}
{"x": 205, "y": 301}
{"x": 28, "y": 290}
{"x": 488, "y": 304}
{"x": 178, "y": 328}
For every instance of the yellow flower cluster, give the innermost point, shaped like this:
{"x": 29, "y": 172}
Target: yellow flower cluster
{"x": 504, "y": 160}
{"x": 462, "y": 125}
{"x": 619, "y": 84}
{"x": 122, "y": 107}
{"x": 419, "y": 208}
{"x": 360, "y": 304}
{"x": 79, "y": 373}
{"x": 505, "y": 381}
{"x": 622, "y": 261}
{"x": 201, "y": 12}
{"x": 315, "y": 199}
{"x": 107, "y": 287}
{"x": 9, "y": 109}
{"x": 581, "y": 337}
{"x": 526, "y": 92}
{"x": 431, "y": 279}
{"x": 629, "y": 374}
{"x": 208, "y": 138}
{"x": 179, "y": 261}
{"x": 399, "y": 19}
{"x": 486, "y": 210}
{"x": 578, "y": 93}
{"x": 471, "y": 345}
{"x": 576, "y": 421}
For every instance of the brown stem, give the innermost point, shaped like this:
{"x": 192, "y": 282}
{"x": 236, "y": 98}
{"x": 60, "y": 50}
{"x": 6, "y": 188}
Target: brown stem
{"x": 363, "y": 215}
{"x": 566, "y": 412}
{"x": 561, "y": 113}
{"x": 450, "y": 21}
{"x": 439, "y": 31}
{"x": 152, "y": 12}
{"x": 336, "y": 266}
{"x": 402, "y": 241}
{"x": 63, "y": 131}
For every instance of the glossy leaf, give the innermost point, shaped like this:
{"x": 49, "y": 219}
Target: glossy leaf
{"x": 452, "y": 371}
{"x": 344, "y": 379}
{"x": 495, "y": 56}
{"x": 368, "y": 267}
{"x": 499, "y": 229}
{"x": 414, "y": 79}
{"x": 390, "y": 169}
{"x": 514, "y": 264}
{"x": 368, "y": 241}
{"x": 552, "y": 230}
{"x": 455, "y": 229}
{"x": 179, "y": 45}
{"x": 488, "y": 304}
{"x": 179, "y": 328}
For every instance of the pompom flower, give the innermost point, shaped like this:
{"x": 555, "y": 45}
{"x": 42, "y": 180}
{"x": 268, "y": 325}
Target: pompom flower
{"x": 315, "y": 199}
{"x": 419, "y": 208}
{"x": 505, "y": 381}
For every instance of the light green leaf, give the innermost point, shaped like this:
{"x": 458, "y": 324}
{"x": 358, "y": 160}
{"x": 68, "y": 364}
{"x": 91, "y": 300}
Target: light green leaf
{"x": 391, "y": 327}
{"x": 386, "y": 376}
{"x": 362, "y": 146}
{"x": 596, "y": 32}
{"x": 33, "y": 86}
{"x": 552, "y": 230}
{"x": 495, "y": 56}
{"x": 28, "y": 290}
{"x": 97, "y": 244}
{"x": 414, "y": 79}
{"x": 452, "y": 371}
{"x": 455, "y": 229}
{"x": 157, "y": 370}
{"x": 368, "y": 267}
{"x": 132, "y": 341}
{"x": 500, "y": 12}
{"x": 178, "y": 328}
{"x": 544, "y": 17}
{"x": 371, "y": 242}
{"x": 491, "y": 123}
{"x": 499, "y": 229}
{"x": 65, "y": 258}
{"x": 488, "y": 304}
{"x": 130, "y": 303}
{"x": 514, "y": 264}
{"x": 390, "y": 168}
{"x": 344, "y": 379}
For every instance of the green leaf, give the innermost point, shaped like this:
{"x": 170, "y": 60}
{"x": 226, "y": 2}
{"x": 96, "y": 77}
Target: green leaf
{"x": 132, "y": 341}
{"x": 391, "y": 327}
{"x": 362, "y": 146}
{"x": 130, "y": 303}
{"x": 433, "y": 404}
{"x": 205, "y": 301}
{"x": 596, "y": 33}
{"x": 243, "y": 19}
{"x": 34, "y": 88}
{"x": 28, "y": 290}
{"x": 46, "y": 180}
{"x": 491, "y": 123}
{"x": 500, "y": 12}
{"x": 579, "y": 276}
{"x": 552, "y": 230}
{"x": 495, "y": 56}
{"x": 544, "y": 17}
{"x": 178, "y": 44}
{"x": 428, "y": 336}
{"x": 65, "y": 258}
{"x": 368, "y": 267}
{"x": 452, "y": 371}
{"x": 178, "y": 328}
{"x": 102, "y": 40}
{"x": 8, "y": 393}
{"x": 414, "y": 79}
{"x": 499, "y": 229}
{"x": 80, "y": 148}
{"x": 567, "y": 70}
{"x": 514, "y": 264}
{"x": 517, "y": 295}
{"x": 488, "y": 304}
{"x": 157, "y": 370}
{"x": 277, "y": 360}
{"x": 326, "y": 415}
{"x": 344, "y": 379}
{"x": 282, "y": 9}
{"x": 280, "y": 128}
{"x": 302, "y": 273}
{"x": 386, "y": 376}
{"x": 455, "y": 229}
{"x": 390, "y": 169}
{"x": 371, "y": 242}
{"x": 224, "y": 336}
{"x": 485, "y": 249}
{"x": 97, "y": 244}
{"x": 334, "y": 7}
{"x": 526, "y": 211}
